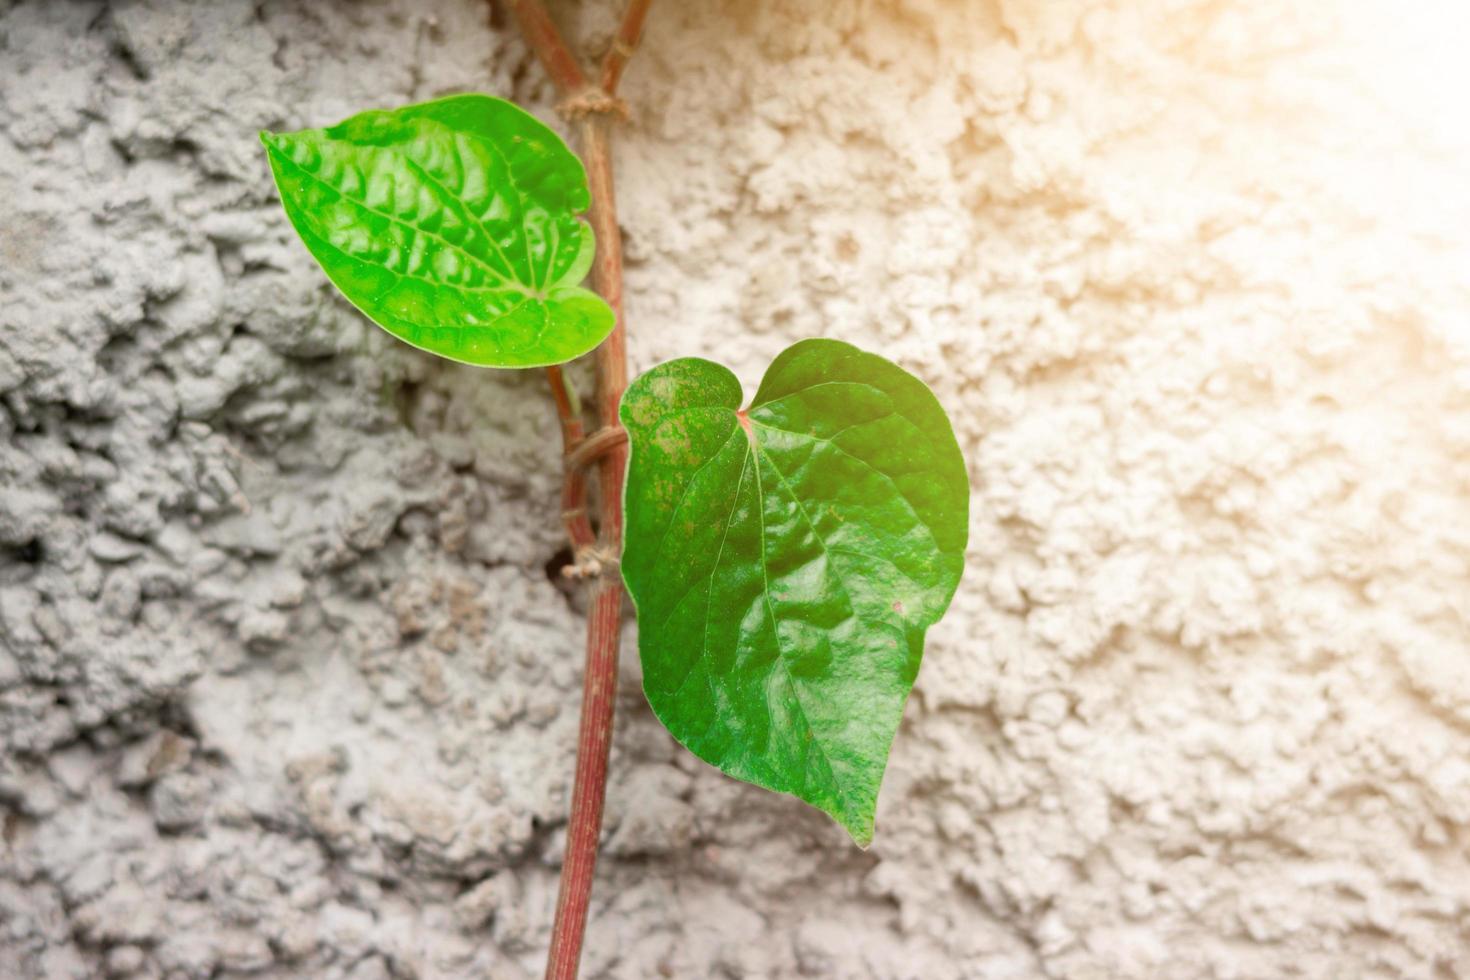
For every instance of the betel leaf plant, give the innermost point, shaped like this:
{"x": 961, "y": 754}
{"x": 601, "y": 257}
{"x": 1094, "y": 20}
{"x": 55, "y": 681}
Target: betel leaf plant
{"x": 785, "y": 558}
{"x": 453, "y": 225}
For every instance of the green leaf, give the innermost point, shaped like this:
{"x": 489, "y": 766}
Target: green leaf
{"x": 786, "y": 562}
{"x": 453, "y": 225}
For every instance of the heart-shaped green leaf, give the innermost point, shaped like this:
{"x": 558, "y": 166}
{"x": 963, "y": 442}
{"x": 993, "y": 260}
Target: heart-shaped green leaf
{"x": 786, "y": 562}
{"x": 453, "y": 225}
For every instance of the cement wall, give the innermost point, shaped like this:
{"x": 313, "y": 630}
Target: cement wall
{"x": 286, "y": 691}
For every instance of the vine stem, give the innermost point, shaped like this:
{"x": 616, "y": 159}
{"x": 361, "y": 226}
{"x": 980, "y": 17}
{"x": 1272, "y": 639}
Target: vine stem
{"x": 574, "y": 481}
{"x": 625, "y": 42}
{"x": 593, "y": 108}
{"x": 541, "y": 34}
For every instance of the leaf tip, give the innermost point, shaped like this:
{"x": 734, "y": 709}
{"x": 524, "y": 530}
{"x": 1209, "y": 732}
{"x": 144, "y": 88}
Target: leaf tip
{"x": 861, "y": 832}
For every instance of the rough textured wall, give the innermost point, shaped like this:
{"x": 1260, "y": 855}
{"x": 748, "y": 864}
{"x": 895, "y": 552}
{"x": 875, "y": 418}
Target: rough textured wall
{"x": 286, "y": 691}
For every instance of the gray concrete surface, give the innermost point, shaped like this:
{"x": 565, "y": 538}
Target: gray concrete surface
{"x": 286, "y": 691}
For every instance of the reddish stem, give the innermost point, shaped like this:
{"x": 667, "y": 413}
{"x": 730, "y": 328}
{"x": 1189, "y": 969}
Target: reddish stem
{"x": 589, "y": 788}
{"x": 603, "y": 628}
{"x": 599, "y": 688}
{"x": 574, "y": 482}
{"x": 612, "y": 356}
{"x": 597, "y": 445}
{"x": 625, "y": 42}
{"x": 543, "y": 37}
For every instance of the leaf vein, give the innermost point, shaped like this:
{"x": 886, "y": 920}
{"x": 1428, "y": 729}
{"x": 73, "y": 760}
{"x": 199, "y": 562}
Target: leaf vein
{"x": 781, "y": 653}
{"x": 871, "y": 468}
{"x": 509, "y": 275}
{"x": 506, "y": 283}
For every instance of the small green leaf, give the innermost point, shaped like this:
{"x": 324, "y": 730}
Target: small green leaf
{"x": 453, "y": 225}
{"x": 786, "y": 562}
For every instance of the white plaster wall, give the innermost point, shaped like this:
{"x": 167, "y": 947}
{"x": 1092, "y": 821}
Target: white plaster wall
{"x": 285, "y": 690}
